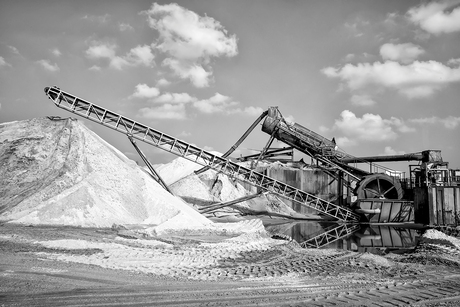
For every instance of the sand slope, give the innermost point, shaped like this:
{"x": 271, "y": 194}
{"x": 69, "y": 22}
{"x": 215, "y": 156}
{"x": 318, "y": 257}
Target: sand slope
{"x": 60, "y": 172}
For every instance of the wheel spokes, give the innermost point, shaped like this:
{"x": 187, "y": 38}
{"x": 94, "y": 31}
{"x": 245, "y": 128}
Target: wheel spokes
{"x": 391, "y": 188}
{"x": 372, "y": 192}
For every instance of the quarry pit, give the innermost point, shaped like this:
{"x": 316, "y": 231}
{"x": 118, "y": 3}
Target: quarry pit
{"x": 81, "y": 224}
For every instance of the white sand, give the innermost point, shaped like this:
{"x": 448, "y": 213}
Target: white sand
{"x": 73, "y": 177}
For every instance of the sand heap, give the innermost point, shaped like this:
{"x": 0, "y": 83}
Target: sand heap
{"x": 60, "y": 172}
{"x": 210, "y": 187}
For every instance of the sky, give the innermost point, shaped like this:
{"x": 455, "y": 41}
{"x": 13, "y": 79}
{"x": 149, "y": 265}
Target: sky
{"x": 381, "y": 77}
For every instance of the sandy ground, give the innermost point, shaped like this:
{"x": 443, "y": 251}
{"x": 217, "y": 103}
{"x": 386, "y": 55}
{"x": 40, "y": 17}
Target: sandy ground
{"x": 150, "y": 248}
{"x": 71, "y": 266}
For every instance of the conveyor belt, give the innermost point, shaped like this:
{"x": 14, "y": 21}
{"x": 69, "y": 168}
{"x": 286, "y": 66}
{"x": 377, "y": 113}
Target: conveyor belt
{"x": 193, "y": 153}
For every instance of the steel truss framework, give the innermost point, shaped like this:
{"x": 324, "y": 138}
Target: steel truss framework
{"x": 193, "y": 153}
{"x": 326, "y": 237}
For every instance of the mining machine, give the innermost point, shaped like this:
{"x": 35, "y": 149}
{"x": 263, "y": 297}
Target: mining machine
{"x": 378, "y": 183}
{"x": 154, "y": 137}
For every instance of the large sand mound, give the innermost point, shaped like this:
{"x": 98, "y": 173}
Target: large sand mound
{"x": 60, "y": 172}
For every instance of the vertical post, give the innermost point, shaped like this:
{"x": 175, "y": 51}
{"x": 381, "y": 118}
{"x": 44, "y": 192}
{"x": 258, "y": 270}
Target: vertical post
{"x": 340, "y": 187}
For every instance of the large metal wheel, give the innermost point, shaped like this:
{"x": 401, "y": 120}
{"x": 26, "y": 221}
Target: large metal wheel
{"x": 379, "y": 186}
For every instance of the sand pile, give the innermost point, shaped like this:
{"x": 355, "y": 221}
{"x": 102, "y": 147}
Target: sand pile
{"x": 60, "y": 172}
{"x": 211, "y": 187}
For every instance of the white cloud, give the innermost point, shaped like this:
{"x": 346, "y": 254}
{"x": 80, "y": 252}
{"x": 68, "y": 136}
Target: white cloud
{"x": 349, "y": 57}
{"x": 48, "y": 66}
{"x": 97, "y": 18}
{"x": 163, "y": 82}
{"x": 418, "y": 79}
{"x": 345, "y": 142}
{"x": 216, "y": 104}
{"x": 166, "y": 111}
{"x": 253, "y": 111}
{"x": 95, "y": 68}
{"x": 404, "y": 53}
{"x": 140, "y": 55}
{"x": 144, "y": 91}
{"x": 249, "y": 111}
{"x": 56, "y": 52}
{"x": 368, "y": 128}
{"x": 101, "y": 50}
{"x": 3, "y": 62}
{"x": 388, "y": 151}
{"x": 14, "y": 50}
{"x": 454, "y": 62}
{"x": 449, "y": 122}
{"x": 196, "y": 73}
{"x": 174, "y": 98}
{"x": 125, "y": 27}
{"x": 190, "y": 41}
{"x": 437, "y": 17}
{"x": 362, "y": 100}
{"x": 356, "y": 27}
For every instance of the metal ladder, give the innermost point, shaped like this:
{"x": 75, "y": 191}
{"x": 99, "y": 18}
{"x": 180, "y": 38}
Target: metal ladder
{"x": 193, "y": 153}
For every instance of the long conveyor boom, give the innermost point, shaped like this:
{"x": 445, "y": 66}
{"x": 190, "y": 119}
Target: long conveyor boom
{"x": 193, "y": 153}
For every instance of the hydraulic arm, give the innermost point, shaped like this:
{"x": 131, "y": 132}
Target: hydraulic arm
{"x": 193, "y": 153}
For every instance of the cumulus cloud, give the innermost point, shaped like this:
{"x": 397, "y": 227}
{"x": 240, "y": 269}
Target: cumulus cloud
{"x": 101, "y": 50}
{"x": 216, "y": 104}
{"x": 163, "y": 82}
{"x": 48, "y": 66}
{"x": 437, "y": 17}
{"x": 369, "y": 127}
{"x": 454, "y": 62}
{"x": 97, "y": 18}
{"x": 388, "y": 151}
{"x": 14, "y": 50}
{"x": 196, "y": 73}
{"x": 190, "y": 41}
{"x": 95, "y": 68}
{"x": 449, "y": 122}
{"x": 343, "y": 141}
{"x": 362, "y": 100}
{"x": 125, "y": 27}
{"x": 144, "y": 91}
{"x": 166, "y": 111}
{"x": 174, "y": 98}
{"x": 404, "y": 53}
{"x": 56, "y": 52}
{"x": 3, "y": 62}
{"x": 140, "y": 55}
{"x": 248, "y": 111}
{"x": 418, "y": 79}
